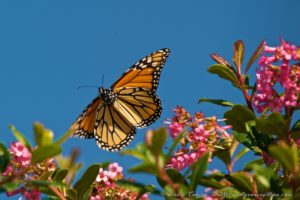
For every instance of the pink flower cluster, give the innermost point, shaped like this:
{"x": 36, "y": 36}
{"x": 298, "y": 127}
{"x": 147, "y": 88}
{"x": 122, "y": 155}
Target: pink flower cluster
{"x": 105, "y": 186}
{"x": 21, "y": 158}
{"x": 20, "y": 167}
{"x": 32, "y": 195}
{"x": 200, "y": 136}
{"x": 21, "y": 154}
{"x": 278, "y": 72}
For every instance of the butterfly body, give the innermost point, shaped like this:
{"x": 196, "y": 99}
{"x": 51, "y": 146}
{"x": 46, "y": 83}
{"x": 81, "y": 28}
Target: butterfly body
{"x": 130, "y": 103}
{"x": 108, "y": 95}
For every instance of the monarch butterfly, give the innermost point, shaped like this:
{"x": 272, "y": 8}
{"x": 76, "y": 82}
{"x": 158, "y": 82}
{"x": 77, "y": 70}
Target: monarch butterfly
{"x": 130, "y": 103}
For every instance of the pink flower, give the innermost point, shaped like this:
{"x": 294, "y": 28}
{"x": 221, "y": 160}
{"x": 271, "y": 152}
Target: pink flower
{"x": 268, "y": 159}
{"x": 96, "y": 197}
{"x": 175, "y": 128}
{"x": 21, "y": 154}
{"x": 200, "y": 134}
{"x": 102, "y": 176}
{"x": 8, "y": 171}
{"x": 32, "y": 195}
{"x": 114, "y": 170}
{"x": 271, "y": 76}
{"x": 298, "y": 141}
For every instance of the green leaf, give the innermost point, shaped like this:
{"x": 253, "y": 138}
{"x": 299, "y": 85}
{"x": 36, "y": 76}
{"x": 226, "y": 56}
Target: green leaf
{"x": 4, "y": 157}
{"x": 138, "y": 152}
{"x": 138, "y": 187}
{"x": 238, "y": 53}
{"x": 175, "y": 176}
{"x": 255, "y": 55}
{"x": 46, "y": 175}
{"x": 238, "y": 116}
{"x": 208, "y": 181}
{"x": 158, "y": 140}
{"x": 224, "y": 72}
{"x": 85, "y": 183}
{"x": 226, "y": 152}
{"x": 220, "y": 102}
{"x": 44, "y": 152}
{"x": 42, "y": 136}
{"x": 249, "y": 166}
{"x": 20, "y": 137}
{"x": 231, "y": 193}
{"x": 241, "y": 153}
{"x": 71, "y": 194}
{"x": 64, "y": 137}
{"x": 263, "y": 175}
{"x": 175, "y": 142}
{"x": 243, "y": 181}
{"x": 274, "y": 124}
{"x": 295, "y": 131}
{"x": 60, "y": 175}
{"x": 286, "y": 155}
{"x": 10, "y": 186}
{"x": 198, "y": 169}
{"x": 44, "y": 183}
{"x": 144, "y": 168}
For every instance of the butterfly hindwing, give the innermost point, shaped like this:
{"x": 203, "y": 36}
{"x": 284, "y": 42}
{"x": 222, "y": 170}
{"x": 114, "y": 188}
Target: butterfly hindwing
{"x": 139, "y": 106}
{"x": 113, "y": 131}
{"x": 84, "y": 125}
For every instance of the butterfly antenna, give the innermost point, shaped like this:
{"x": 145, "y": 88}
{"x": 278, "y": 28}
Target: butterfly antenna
{"x": 86, "y": 86}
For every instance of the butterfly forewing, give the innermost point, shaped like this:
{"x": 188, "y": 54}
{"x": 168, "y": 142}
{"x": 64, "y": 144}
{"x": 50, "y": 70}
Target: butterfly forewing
{"x": 144, "y": 74}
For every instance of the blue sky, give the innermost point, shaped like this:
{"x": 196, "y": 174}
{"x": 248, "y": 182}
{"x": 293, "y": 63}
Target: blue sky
{"x": 49, "y": 48}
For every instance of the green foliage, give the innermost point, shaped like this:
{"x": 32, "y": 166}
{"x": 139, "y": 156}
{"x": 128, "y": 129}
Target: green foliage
{"x": 287, "y": 156}
{"x": 243, "y": 181}
{"x": 198, "y": 170}
{"x": 44, "y": 152}
{"x": 224, "y": 72}
{"x": 84, "y": 185}
{"x": 273, "y": 124}
{"x": 175, "y": 176}
{"x": 238, "y": 116}
{"x": 20, "y": 137}
{"x": 220, "y": 102}
{"x": 4, "y": 157}
{"x": 255, "y": 55}
{"x": 42, "y": 136}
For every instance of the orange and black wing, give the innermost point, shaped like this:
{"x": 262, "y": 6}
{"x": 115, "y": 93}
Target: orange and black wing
{"x": 113, "y": 131}
{"x": 144, "y": 74}
{"x": 136, "y": 89}
{"x": 84, "y": 125}
{"x": 139, "y": 106}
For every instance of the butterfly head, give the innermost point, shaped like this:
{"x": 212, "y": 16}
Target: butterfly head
{"x": 108, "y": 95}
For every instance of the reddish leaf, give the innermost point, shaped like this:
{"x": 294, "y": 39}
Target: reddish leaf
{"x": 219, "y": 59}
{"x": 238, "y": 54}
{"x": 255, "y": 55}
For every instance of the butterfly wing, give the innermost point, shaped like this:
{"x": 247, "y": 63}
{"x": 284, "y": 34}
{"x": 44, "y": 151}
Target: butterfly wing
{"x": 84, "y": 125}
{"x": 143, "y": 74}
{"x": 136, "y": 88}
{"x": 113, "y": 131}
{"x": 141, "y": 107}
{"x": 137, "y": 105}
